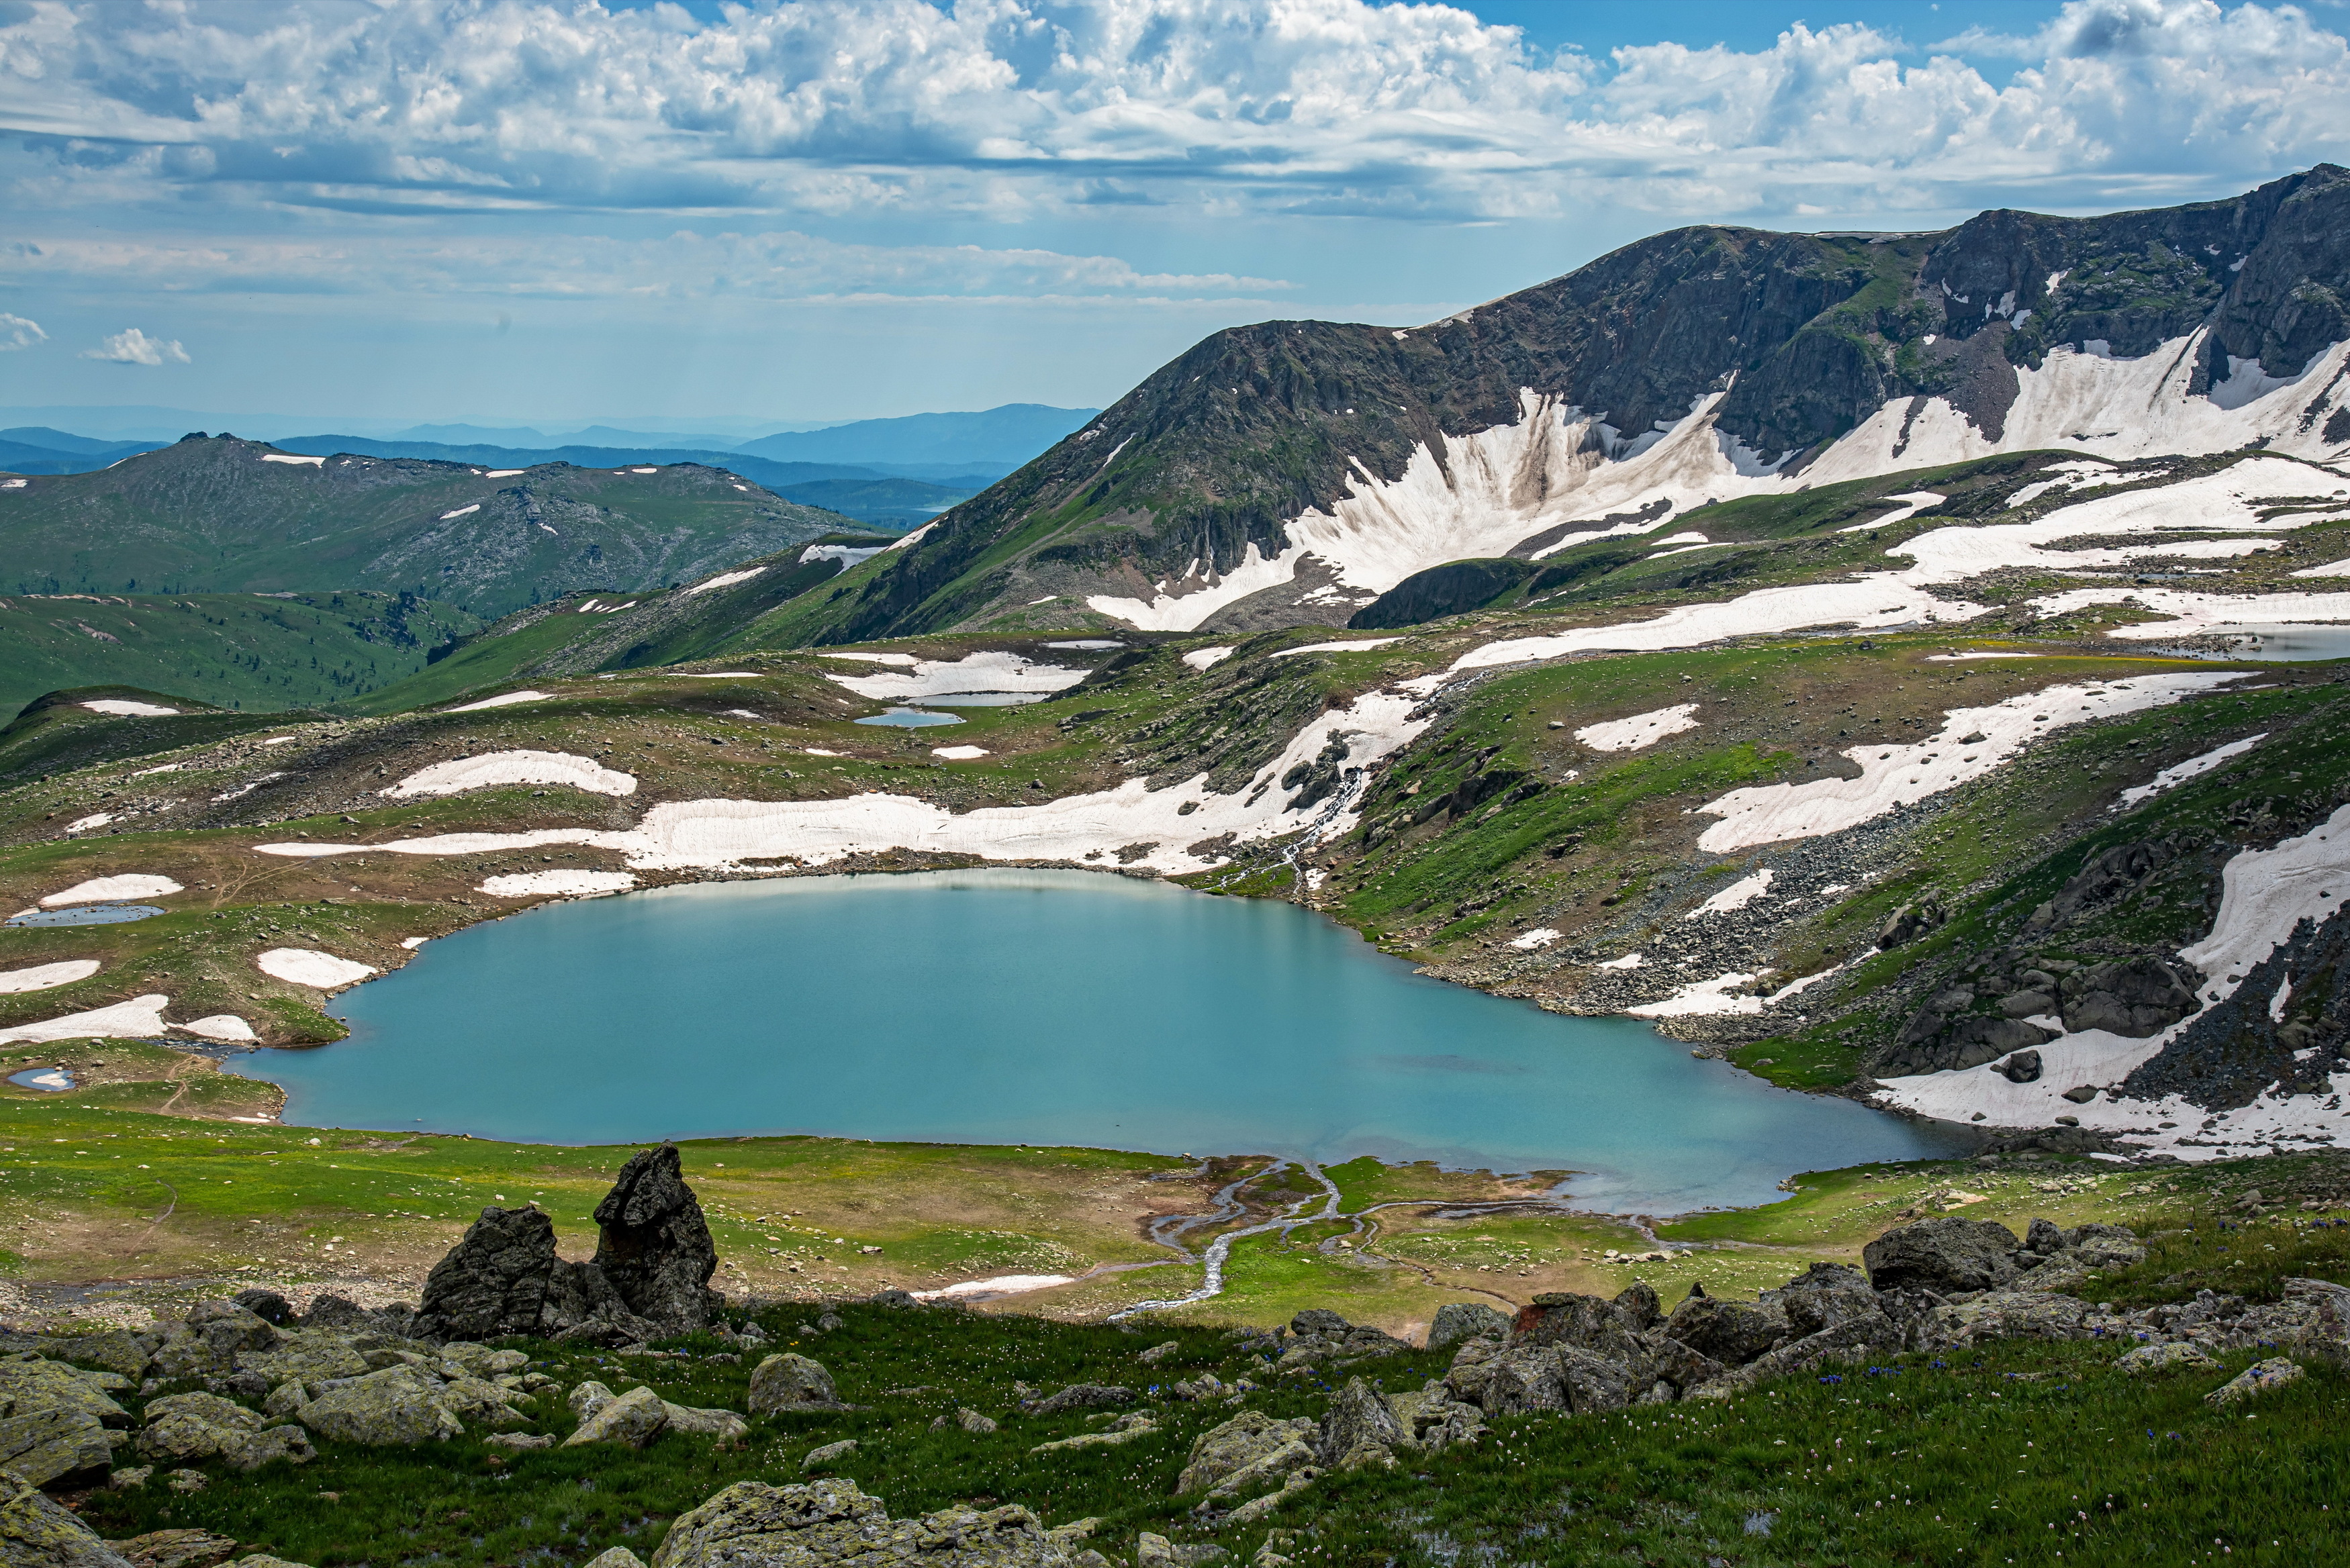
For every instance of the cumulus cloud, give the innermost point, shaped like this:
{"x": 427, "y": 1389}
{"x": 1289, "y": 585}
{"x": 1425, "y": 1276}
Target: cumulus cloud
{"x": 1009, "y": 108}
{"x": 16, "y": 332}
{"x": 132, "y": 346}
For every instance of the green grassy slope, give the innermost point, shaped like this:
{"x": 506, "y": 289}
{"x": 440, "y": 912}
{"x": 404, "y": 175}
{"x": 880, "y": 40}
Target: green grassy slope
{"x": 228, "y": 650}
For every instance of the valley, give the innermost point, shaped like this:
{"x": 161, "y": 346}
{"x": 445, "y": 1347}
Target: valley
{"x": 1847, "y": 742}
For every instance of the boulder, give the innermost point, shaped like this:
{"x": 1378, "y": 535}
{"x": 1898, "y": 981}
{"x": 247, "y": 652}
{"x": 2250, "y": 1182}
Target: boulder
{"x": 493, "y": 1282}
{"x": 587, "y": 1398}
{"x": 176, "y": 1549}
{"x": 2014, "y": 1315}
{"x": 1083, "y": 1397}
{"x": 1946, "y": 1254}
{"x": 267, "y": 1305}
{"x": 116, "y": 1350}
{"x": 53, "y": 1419}
{"x": 1361, "y": 1428}
{"x": 1456, "y": 1320}
{"x": 2024, "y": 1067}
{"x": 2170, "y": 1355}
{"x": 654, "y": 1246}
{"x": 616, "y": 1557}
{"x": 519, "y": 1440}
{"x": 481, "y": 1403}
{"x": 832, "y": 1521}
{"x": 305, "y": 1356}
{"x": 208, "y": 1339}
{"x": 2258, "y": 1378}
{"x": 829, "y": 1454}
{"x": 632, "y": 1420}
{"x": 1123, "y": 1430}
{"x": 2134, "y": 997}
{"x": 790, "y": 1381}
{"x": 725, "y": 1426}
{"x": 971, "y": 1421}
{"x": 2312, "y": 1318}
{"x": 1731, "y": 1333}
{"x": 1247, "y": 1440}
{"x": 185, "y": 1428}
{"x": 36, "y": 1533}
{"x": 400, "y": 1405}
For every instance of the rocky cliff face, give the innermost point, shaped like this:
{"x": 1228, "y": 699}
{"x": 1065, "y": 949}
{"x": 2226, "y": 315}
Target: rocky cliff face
{"x": 1291, "y": 470}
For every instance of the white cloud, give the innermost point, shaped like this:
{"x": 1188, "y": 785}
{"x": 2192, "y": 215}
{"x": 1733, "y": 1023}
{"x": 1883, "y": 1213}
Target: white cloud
{"x": 132, "y": 346}
{"x": 1011, "y": 107}
{"x": 16, "y": 332}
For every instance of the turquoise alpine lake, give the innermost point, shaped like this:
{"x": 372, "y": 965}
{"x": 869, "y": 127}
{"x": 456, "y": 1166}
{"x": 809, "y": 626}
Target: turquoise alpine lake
{"x": 1053, "y": 1008}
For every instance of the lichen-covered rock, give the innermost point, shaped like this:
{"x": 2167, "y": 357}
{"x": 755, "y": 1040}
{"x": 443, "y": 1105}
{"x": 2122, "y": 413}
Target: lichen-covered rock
{"x": 1946, "y": 1254}
{"x": 725, "y": 1426}
{"x": 632, "y": 1420}
{"x": 2258, "y": 1378}
{"x": 28, "y": 1383}
{"x": 616, "y": 1557}
{"x": 117, "y": 1350}
{"x": 305, "y": 1356}
{"x": 1083, "y": 1397}
{"x": 826, "y": 1522}
{"x": 399, "y": 1405}
{"x": 1458, "y": 1321}
{"x": 1123, "y": 1430}
{"x": 790, "y": 1381}
{"x": 209, "y": 1339}
{"x": 519, "y": 1440}
{"x": 2311, "y": 1317}
{"x": 2014, "y": 1315}
{"x": 655, "y": 1247}
{"x": 1361, "y": 1428}
{"x": 1733, "y": 1333}
{"x": 53, "y": 1421}
{"x": 971, "y": 1421}
{"x": 176, "y": 1549}
{"x": 2170, "y": 1355}
{"x": 190, "y": 1427}
{"x": 1248, "y": 1440}
{"x": 589, "y": 1397}
{"x": 493, "y": 1282}
{"x": 36, "y": 1533}
{"x": 829, "y": 1454}
{"x": 481, "y": 1403}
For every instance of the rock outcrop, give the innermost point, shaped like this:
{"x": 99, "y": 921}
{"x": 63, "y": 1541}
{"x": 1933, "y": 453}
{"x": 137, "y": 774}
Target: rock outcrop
{"x": 824, "y": 1523}
{"x": 36, "y": 1533}
{"x": 655, "y": 1247}
{"x": 790, "y": 1381}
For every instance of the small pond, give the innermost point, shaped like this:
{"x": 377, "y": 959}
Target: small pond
{"x": 910, "y": 719}
{"x": 2280, "y": 642}
{"x": 1008, "y": 1007}
{"x": 51, "y": 1080}
{"x": 86, "y": 914}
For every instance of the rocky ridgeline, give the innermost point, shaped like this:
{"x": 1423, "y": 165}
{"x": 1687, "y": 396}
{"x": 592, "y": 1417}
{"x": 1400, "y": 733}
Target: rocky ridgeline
{"x": 404, "y": 1376}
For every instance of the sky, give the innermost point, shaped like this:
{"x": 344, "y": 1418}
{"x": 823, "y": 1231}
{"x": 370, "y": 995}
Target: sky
{"x": 741, "y": 215}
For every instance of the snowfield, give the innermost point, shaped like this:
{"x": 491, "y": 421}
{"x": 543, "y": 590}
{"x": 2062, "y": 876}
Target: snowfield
{"x": 988, "y": 671}
{"x": 1640, "y": 729}
{"x": 305, "y": 966}
{"x": 1971, "y": 742}
{"x": 111, "y": 890}
{"x": 1132, "y": 825}
{"x": 1528, "y": 483}
{"x": 495, "y": 768}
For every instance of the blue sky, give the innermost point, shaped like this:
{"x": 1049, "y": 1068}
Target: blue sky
{"x": 552, "y": 211}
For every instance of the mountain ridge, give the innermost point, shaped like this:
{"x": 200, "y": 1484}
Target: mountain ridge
{"x": 1289, "y": 471}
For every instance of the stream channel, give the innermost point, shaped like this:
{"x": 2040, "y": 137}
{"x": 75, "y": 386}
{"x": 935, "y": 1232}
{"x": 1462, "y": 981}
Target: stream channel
{"x": 1040, "y": 1008}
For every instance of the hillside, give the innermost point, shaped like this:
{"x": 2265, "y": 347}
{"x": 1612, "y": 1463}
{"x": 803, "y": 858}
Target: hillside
{"x": 1291, "y": 472}
{"x": 253, "y": 652}
{"x": 216, "y": 514}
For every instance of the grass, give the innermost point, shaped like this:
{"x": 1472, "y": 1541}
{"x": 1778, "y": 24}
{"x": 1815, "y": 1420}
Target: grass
{"x": 2022, "y": 1452}
{"x": 252, "y": 651}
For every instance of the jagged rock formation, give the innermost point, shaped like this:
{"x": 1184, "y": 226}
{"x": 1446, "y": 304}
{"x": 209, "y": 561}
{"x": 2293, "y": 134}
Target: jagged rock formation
{"x": 653, "y": 1262}
{"x": 655, "y": 1247}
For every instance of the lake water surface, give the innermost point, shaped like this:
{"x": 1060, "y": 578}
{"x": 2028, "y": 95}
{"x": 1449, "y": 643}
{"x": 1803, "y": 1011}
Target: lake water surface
{"x": 1060, "y": 1008}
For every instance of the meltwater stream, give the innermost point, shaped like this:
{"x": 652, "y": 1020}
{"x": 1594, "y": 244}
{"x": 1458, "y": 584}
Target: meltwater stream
{"x": 1056, "y": 1008}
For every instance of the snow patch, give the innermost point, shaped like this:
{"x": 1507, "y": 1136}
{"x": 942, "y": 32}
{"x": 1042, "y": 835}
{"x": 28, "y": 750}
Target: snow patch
{"x": 141, "y": 1015}
{"x": 43, "y": 976}
{"x": 905, "y": 660}
{"x": 1898, "y": 775}
{"x": 1702, "y": 999}
{"x": 1640, "y": 729}
{"x": 1355, "y": 646}
{"x": 1540, "y": 937}
{"x": 124, "y": 708}
{"x": 112, "y": 891}
{"x": 1208, "y": 658}
{"x": 1737, "y": 895}
{"x": 305, "y": 966}
{"x": 285, "y": 457}
{"x": 2193, "y": 767}
{"x": 504, "y": 700}
{"x": 225, "y": 1028}
{"x": 987, "y": 671}
{"x": 462, "y": 512}
{"x": 557, "y": 884}
{"x": 496, "y": 768}
{"x": 724, "y": 579}
{"x": 1629, "y": 960}
{"x": 959, "y": 754}
{"x": 1000, "y": 1285}
{"x": 88, "y": 823}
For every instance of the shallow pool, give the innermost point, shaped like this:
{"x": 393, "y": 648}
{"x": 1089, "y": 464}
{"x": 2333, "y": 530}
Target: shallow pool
{"x": 910, "y": 719}
{"x": 85, "y": 915}
{"x": 1003, "y": 1006}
